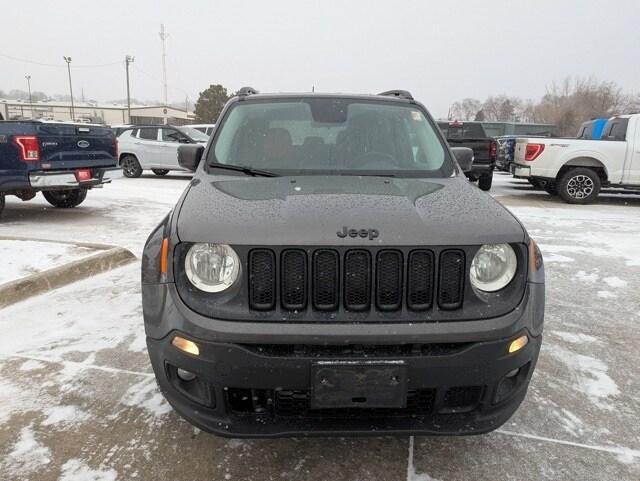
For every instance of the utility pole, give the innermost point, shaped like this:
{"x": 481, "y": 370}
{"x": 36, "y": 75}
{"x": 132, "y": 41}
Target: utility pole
{"x": 128, "y": 60}
{"x": 163, "y": 37}
{"x": 28, "y": 77}
{"x": 68, "y": 60}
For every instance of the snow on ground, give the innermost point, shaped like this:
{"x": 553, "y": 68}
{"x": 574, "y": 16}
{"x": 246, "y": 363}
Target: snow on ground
{"x": 91, "y": 409}
{"x": 23, "y": 258}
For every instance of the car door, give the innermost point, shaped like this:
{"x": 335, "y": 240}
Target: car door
{"x": 147, "y": 147}
{"x": 170, "y": 140}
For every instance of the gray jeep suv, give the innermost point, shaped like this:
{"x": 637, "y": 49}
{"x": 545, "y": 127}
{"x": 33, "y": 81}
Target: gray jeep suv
{"x": 329, "y": 270}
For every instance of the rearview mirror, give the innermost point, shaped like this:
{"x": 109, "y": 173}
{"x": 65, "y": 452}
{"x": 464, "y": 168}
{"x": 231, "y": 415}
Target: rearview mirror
{"x": 189, "y": 156}
{"x": 464, "y": 156}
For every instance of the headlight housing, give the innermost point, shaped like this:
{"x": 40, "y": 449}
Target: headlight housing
{"x": 493, "y": 267}
{"x": 212, "y": 267}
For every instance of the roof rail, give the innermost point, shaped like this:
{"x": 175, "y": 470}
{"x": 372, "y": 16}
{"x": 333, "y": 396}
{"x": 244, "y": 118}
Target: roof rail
{"x": 247, "y": 91}
{"x": 403, "y": 94}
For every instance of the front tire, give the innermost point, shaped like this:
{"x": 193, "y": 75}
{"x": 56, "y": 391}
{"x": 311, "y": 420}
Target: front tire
{"x": 579, "y": 186}
{"x": 65, "y": 199}
{"x": 160, "y": 172}
{"x": 485, "y": 182}
{"x": 131, "y": 167}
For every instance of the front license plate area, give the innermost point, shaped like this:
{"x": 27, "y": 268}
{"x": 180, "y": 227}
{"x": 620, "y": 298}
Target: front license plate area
{"x": 358, "y": 385}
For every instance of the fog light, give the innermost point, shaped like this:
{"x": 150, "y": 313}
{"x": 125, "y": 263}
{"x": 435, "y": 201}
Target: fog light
{"x": 518, "y": 344}
{"x": 510, "y": 374}
{"x": 186, "y": 345}
{"x": 186, "y": 375}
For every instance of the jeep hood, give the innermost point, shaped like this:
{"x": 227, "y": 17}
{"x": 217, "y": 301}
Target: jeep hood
{"x": 310, "y": 210}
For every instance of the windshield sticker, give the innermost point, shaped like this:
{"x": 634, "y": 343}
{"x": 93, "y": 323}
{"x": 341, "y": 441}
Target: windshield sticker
{"x": 416, "y": 115}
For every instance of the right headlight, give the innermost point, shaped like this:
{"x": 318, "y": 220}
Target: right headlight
{"x": 212, "y": 267}
{"x": 493, "y": 267}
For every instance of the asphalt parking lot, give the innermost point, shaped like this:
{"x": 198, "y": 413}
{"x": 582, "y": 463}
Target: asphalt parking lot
{"x": 78, "y": 400}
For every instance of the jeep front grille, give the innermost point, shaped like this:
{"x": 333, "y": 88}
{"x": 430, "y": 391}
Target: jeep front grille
{"x": 355, "y": 280}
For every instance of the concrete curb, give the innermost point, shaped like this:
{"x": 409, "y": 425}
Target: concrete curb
{"x": 35, "y": 284}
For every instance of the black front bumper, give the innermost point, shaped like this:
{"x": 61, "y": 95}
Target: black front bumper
{"x": 252, "y": 390}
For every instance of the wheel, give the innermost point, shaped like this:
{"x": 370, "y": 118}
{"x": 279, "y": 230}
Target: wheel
{"x": 485, "y": 181}
{"x": 550, "y": 187}
{"x": 579, "y": 186}
{"x": 131, "y": 167}
{"x": 65, "y": 199}
{"x": 160, "y": 171}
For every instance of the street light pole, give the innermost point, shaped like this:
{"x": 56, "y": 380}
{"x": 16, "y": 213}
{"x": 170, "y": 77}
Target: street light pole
{"x": 128, "y": 59}
{"x": 28, "y": 77}
{"x": 68, "y": 60}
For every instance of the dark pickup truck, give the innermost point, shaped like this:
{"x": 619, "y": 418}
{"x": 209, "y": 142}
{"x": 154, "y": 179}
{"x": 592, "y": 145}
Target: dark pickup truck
{"x": 472, "y": 135}
{"x": 61, "y": 160}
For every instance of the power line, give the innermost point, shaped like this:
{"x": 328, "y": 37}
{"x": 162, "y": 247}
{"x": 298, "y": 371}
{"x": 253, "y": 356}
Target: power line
{"x": 42, "y": 64}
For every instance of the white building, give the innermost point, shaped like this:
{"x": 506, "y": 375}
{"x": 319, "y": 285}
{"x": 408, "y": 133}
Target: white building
{"x": 110, "y": 114}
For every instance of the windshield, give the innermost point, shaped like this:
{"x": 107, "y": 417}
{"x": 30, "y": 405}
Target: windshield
{"x": 194, "y": 134}
{"x": 329, "y": 135}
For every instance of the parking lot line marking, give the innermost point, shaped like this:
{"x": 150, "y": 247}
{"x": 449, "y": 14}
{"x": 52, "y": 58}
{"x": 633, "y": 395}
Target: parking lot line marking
{"x": 81, "y": 365}
{"x": 606, "y": 449}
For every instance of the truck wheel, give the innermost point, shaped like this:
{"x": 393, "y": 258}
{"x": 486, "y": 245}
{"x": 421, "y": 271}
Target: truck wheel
{"x": 65, "y": 199}
{"x": 160, "y": 171}
{"x": 131, "y": 167}
{"x": 485, "y": 181}
{"x": 579, "y": 186}
{"x": 550, "y": 187}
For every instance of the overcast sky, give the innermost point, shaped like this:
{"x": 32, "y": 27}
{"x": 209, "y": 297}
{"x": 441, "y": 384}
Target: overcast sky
{"x": 441, "y": 51}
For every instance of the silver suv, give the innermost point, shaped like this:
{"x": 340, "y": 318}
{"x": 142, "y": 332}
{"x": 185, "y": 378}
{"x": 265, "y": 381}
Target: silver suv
{"x": 155, "y": 148}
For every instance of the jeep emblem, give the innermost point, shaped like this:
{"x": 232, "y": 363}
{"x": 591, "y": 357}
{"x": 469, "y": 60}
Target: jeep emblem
{"x": 364, "y": 233}
{"x": 83, "y": 144}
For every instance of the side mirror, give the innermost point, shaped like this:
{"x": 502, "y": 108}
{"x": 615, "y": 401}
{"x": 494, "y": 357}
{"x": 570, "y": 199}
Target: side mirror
{"x": 189, "y": 156}
{"x": 464, "y": 156}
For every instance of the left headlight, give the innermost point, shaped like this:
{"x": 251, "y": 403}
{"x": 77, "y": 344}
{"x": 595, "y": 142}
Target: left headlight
{"x": 212, "y": 267}
{"x": 493, "y": 267}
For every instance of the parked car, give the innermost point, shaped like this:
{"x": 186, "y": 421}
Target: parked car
{"x": 204, "y": 128}
{"x": 118, "y": 129}
{"x": 155, "y": 147}
{"x": 485, "y": 149}
{"x": 576, "y": 169}
{"x": 592, "y": 129}
{"x": 61, "y": 160}
{"x": 330, "y": 270}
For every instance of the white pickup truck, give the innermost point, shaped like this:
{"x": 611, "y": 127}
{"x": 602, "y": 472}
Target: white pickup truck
{"x": 577, "y": 169}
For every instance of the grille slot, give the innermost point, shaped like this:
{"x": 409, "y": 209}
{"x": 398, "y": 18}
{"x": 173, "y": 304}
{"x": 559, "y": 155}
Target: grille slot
{"x": 326, "y": 275}
{"x": 420, "y": 280}
{"x": 262, "y": 279}
{"x": 389, "y": 280}
{"x": 357, "y": 280}
{"x": 452, "y": 268}
{"x": 294, "y": 279}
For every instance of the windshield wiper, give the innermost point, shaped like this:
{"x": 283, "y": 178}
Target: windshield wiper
{"x": 244, "y": 169}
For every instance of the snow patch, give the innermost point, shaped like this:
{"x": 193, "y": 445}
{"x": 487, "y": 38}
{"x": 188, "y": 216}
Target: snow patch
{"x": 64, "y": 414}
{"x": 574, "y": 337}
{"x": 146, "y": 395}
{"x": 591, "y": 375}
{"x": 23, "y": 258}
{"x": 582, "y": 276}
{"x": 556, "y": 258}
{"x": 615, "y": 282}
{"x": 27, "y": 455}
{"x": 31, "y": 365}
{"x": 76, "y": 470}
{"x": 606, "y": 295}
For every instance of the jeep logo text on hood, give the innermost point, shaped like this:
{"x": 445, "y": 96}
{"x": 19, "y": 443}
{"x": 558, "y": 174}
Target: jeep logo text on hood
{"x": 364, "y": 233}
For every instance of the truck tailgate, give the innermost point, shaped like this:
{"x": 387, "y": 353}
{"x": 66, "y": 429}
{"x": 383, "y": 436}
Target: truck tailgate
{"x": 70, "y": 146}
